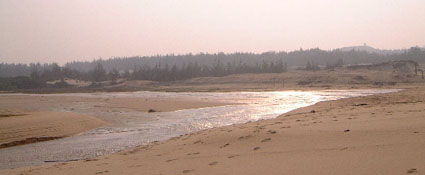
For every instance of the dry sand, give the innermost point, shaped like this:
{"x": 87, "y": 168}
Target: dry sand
{"x": 339, "y": 78}
{"x": 23, "y": 128}
{"x": 379, "y": 134}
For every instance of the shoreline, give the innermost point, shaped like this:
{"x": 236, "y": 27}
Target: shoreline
{"x": 126, "y": 97}
{"x": 43, "y": 119}
{"x": 21, "y": 128}
{"x": 228, "y": 129}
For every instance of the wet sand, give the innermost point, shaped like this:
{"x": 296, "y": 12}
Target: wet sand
{"x": 379, "y": 134}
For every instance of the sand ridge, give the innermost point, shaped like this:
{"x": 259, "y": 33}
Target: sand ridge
{"x": 379, "y": 134}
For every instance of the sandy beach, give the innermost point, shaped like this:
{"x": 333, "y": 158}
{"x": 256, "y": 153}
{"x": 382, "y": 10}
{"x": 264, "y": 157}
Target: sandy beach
{"x": 143, "y": 104}
{"x": 29, "y": 119}
{"x": 379, "y": 134}
{"x": 25, "y": 128}
{"x": 95, "y": 87}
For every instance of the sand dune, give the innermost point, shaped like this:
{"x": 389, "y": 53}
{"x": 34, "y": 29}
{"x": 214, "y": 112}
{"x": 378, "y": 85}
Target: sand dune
{"x": 339, "y": 78}
{"x": 380, "y": 134}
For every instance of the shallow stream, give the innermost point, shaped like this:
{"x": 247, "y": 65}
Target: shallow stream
{"x": 138, "y": 128}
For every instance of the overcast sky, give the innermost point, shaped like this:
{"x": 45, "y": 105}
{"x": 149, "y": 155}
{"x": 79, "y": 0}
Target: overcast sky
{"x": 67, "y": 30}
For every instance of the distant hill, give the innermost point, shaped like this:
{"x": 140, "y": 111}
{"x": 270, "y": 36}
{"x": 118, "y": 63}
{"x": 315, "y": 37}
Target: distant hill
{"x": 370, "y": 49}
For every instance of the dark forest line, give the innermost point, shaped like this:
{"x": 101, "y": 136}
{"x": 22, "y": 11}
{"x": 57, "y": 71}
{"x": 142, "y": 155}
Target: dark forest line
{"x": 179, "y": 67}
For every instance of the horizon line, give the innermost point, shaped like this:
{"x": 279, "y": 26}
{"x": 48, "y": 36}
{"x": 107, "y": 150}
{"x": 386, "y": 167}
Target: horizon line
{"x": 209, "y": 53}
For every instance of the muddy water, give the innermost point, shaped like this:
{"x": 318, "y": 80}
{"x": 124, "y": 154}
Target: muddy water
{"x": 136, "y": 128}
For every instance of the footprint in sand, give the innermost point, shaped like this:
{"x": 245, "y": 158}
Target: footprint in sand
{"x": 213, "y": 163}
{"x": 196, "y": 153}
{"x": 199, "y": 141}
{"x": 101, "y": 172}
{"x": 266, "y": 140}
{"x": 170, "y": 160}
{"x": 232, "y": 156}
{"x": 271, "y": 131}
{"x": 101, "y": 164}
{"x": 413, "y": 170}
{"x": 187, "y": 171}
{"x": 225, "y": 145}
{"x": 89, "y": 160}
{"x": 135, "y": 166}
{"x": 245, "y": 137}
{"x": 345, "y": 148}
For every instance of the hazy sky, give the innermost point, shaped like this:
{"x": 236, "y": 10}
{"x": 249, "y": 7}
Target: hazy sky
{"x": 66, "y": 30}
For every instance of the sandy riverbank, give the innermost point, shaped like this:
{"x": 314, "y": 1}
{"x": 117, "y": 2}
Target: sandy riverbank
{"x": 27, "y": 119}
{"x": 380, "y": 134}
{"x": 142, "y": 104}
{"x": 24, "y": 128}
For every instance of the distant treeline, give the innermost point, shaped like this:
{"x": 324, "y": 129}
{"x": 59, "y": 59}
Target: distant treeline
{"x": 177, "y": 67}
{"x": 53, "y": 72}
{"x": 297, "y": 58}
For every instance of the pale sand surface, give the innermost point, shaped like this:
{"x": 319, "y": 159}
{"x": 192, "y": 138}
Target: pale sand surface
{"x": 34, "y": 103}
{"x": 23, "y": 128}
{"x": 379, "y": 134}
{"x": 27, "y": 119}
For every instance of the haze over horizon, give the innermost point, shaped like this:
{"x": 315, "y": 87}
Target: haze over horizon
{"x": 83, "y": 30}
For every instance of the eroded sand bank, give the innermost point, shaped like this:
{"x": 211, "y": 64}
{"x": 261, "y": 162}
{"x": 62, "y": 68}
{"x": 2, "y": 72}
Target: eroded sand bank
{"x": 379, "y": 134}
{"x": 24, "y": 128}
